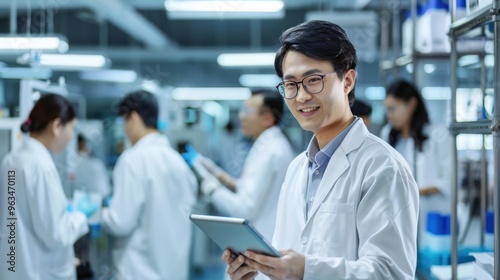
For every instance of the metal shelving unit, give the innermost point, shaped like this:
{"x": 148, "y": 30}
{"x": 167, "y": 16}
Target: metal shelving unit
{"x": 464, "y": 25}
{"x": 478, "y": 127}
{"x": 459, "y": 28}
{"x": 484, "y": 127}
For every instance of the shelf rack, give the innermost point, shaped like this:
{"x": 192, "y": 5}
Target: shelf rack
{"x": 459, "y": 28}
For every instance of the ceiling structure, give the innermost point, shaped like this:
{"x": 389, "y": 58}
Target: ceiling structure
{"x": 139, "y": 35}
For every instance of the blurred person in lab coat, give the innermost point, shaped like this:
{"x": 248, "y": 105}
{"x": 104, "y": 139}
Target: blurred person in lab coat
{"x": 410, "y": 132}
{"x": 38, "y": 232}
{"x": 91, "y": 173}
{"x": 348, "y": 207}
{"x": 154, "y": 191}
{"x": 254, "y": 195}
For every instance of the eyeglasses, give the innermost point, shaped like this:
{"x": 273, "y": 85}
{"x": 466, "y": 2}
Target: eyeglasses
{"x": 312, "y": 84}
{"x": 247, "y": 111}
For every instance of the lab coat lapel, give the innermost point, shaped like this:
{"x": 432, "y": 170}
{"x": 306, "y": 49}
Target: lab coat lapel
{"x": 339, "y": 163}
{"x": 301, "y": 184}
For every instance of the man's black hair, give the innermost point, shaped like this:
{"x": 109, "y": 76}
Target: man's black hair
{"x": 272, "y": 101}
{"x": 144, "y": 103}
{"x": 320, "y": 40}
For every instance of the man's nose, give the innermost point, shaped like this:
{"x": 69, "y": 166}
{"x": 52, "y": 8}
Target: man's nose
{"x": 302, "y": 94}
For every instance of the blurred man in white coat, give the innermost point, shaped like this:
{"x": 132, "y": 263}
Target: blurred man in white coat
{"x": 154, "y": 191}
{"x": 91, "y": 173}
{"x": 349, "y": 204}
{"x": 254, "y": 195}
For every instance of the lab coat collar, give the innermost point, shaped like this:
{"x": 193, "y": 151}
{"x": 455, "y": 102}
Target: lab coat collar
{"x": 269, "y": 133}
{"x": 31, "y": 144}
{"x": 339, "y": 163}
{"x": 264, "y": 138}
{"x": 153, "y": 138}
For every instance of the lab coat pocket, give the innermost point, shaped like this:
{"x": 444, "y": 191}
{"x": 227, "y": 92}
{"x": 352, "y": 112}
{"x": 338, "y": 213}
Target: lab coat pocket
{"x": 336, "y": 229}
{"x": 337, "y": 208}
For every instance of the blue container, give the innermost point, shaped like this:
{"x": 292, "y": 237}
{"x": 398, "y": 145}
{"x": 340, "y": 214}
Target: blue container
{"x": 490, "y": 222}
{"x": 438, "y": 224}
{"x": 489, "y": 234}
{"x": 437, "y": 5}
{"x": 95, "y": 231}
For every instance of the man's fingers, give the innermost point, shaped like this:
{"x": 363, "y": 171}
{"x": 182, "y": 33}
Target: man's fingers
{"x": 270, "y": 261}
{"x": 226, "y": 257}
{"x": 250, "y": 276}
{"x": 235, "y": 265}
{"x": 244, "y": 272}
{"x": 258, "y": 266}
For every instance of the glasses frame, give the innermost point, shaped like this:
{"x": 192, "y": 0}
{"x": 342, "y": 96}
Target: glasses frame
{"x": 303, "y": 86}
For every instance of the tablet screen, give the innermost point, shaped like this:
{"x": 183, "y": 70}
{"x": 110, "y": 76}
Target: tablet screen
{"x": 235, "y": 234}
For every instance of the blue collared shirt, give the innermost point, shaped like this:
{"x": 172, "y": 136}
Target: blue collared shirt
{"x": 318, "y": 161}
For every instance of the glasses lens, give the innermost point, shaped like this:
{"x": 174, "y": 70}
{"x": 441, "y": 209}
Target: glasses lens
{"x": 281, "y": 89}
{"x": 313, "y": 84}
{"x": 290, "y": 89}
{"x": 287, "y": 89}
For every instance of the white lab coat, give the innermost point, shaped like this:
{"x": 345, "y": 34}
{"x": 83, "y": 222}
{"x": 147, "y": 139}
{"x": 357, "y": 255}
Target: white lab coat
{"x": 433, "y": 168}
{"x": 92, "y": 176}
{"x": 45, "y": 231}
{"x": 154, "y": 192}
{"x": 363, "y": 222}
{"x": 259, "y": 185}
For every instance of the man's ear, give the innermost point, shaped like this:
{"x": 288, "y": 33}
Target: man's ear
{"x": 268, "y": 118}
{"x": 349, "y": 81}
{"x": 136, "y": 119}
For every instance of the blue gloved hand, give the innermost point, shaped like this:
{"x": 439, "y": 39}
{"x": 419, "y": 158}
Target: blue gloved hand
{"x": 86, "y": 206}
{"x": 190, "y": 155}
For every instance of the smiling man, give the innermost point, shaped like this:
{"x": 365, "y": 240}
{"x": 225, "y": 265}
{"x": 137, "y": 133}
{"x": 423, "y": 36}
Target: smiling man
{"x": 348, "y": 206}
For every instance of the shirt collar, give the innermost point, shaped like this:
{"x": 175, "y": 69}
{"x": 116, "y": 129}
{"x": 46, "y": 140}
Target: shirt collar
{"x": 320, "y": 157}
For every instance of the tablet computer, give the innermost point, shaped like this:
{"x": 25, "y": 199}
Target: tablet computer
{"x": 235, "y": 234}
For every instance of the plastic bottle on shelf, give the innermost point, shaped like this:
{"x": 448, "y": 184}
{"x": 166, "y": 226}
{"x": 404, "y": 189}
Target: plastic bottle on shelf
{"x": 460, "y": 11}
{"x": 472, "y": 41}
{"x": 433, "y": 27}
{"x": 475, "y": 5}
{"x": 407, "y": 37}
{"x": 489, "y": 234}
{"x": 437, "y": 236}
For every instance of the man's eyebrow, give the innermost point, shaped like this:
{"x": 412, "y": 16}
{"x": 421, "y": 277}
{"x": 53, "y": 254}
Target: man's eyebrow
{"x": 308, "y": 72}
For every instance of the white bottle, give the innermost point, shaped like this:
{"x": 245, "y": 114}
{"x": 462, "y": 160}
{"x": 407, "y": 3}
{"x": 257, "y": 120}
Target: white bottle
{"x": 472, "y": 41}
{"x": 407, "y": 31}
{"x": 433, "y": 27}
